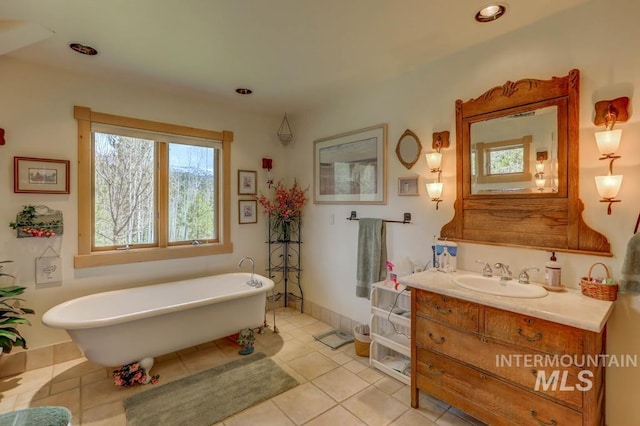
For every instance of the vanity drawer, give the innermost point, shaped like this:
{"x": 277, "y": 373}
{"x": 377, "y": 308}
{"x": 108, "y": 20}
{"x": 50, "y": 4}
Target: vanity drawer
{"x": 516, "y": 364}
{"x": 534, "y": 333}
{"x": 449, "y": 310}
{"x": 516, "y": 405}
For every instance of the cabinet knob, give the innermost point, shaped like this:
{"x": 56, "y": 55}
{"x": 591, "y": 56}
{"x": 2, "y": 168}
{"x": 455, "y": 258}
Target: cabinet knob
{"x": 534, "y": 414}
{"x": 433, "y": 371}
{"x": 436, "y": 341}
{"x": 537, "y": 336}
{"x": 443, "y": 311}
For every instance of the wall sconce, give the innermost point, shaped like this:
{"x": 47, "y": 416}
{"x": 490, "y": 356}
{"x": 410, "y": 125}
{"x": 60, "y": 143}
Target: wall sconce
{"x": 434, "y": 162}
{"x": 285, "y": 134}
{"x": 267, "y": 164}
{"x": 608, "y": 113}
{"x": 434, "y": 189}
{"x": 539, "y": 178}
{"x": 541, "y": 157}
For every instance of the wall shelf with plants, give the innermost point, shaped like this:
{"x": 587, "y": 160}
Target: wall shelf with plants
{"x": 38, "y": 221}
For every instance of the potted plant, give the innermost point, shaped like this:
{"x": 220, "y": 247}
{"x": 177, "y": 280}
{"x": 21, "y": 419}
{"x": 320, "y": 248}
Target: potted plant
{"x": 11, "y": 315}
{"x": 246, "y": 339}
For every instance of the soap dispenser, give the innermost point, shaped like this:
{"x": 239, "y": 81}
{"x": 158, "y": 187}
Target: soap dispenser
{"x": 552, "y": 271}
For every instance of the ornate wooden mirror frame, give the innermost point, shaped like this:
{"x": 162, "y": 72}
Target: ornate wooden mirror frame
{"x": 540, "y": 221}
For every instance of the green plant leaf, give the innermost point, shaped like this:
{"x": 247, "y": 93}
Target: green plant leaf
{"x": 4, "y": 322}
{"x": 11, "y": 291}
{"x": 9, "y": 333}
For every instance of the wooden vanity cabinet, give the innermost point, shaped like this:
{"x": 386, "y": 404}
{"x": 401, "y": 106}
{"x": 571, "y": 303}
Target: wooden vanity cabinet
{"x": 486, "y": 361}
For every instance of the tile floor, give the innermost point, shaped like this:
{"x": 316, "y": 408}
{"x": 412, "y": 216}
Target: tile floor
{"x": 337, "y": 387}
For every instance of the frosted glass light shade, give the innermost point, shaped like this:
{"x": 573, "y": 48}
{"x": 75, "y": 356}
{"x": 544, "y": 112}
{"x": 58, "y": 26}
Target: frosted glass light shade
{"x": 434, "y": 189}
{"x": 540, "y": 182}
{"x": 608, "y": 141}
{"x": 434, "y": 160}
{"x": 608, "y": 186}
{"x": 539, "y": 167}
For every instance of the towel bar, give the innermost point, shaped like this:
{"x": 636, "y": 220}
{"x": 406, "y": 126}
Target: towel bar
{"x": 406, "y": 218}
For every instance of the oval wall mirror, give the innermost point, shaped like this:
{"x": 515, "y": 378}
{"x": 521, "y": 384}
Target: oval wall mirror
{"x": 408, "y": 149}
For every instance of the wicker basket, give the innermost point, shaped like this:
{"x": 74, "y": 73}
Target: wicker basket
{"x": 599, "y": 290}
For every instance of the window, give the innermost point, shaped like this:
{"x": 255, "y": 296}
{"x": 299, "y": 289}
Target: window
{"x": 149, "y": 190}
{"x": 504, "y": 161}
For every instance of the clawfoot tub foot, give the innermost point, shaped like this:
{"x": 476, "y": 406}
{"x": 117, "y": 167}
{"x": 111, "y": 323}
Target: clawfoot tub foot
{"x": 146, "y": 364}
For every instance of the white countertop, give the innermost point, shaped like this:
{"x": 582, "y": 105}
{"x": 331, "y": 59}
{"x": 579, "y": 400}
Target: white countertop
{"x": 569, "y": 307}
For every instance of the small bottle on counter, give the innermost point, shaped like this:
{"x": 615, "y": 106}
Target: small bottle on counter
{"x": 552, "y": 272}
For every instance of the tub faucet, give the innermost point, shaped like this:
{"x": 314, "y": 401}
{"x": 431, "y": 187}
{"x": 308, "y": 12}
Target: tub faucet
{"x": 252, "y": 282}
{"x": 505, "y": 273}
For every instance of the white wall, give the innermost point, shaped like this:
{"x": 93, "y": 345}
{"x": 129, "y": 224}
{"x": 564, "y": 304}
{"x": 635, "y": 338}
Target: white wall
{"x": 37, "y": 114}
{"x": 601, "y": 40}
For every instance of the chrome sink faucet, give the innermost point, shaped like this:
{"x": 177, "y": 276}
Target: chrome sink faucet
{"x": 252, "y": 282}
{"x": 486, "y": 269}
{"x": 523, "y": 278}
{"x": 505, "y": 273}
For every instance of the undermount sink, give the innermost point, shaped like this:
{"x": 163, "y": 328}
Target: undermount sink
{"x": 500, "y": 288}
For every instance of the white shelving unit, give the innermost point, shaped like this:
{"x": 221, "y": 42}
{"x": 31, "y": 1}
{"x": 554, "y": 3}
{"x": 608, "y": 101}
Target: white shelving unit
{"x": 391, "y": 331}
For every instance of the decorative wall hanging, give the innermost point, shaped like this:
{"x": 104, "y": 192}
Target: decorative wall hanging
{"x": 351, "y": 168}
{"x": 40, "y": 175}
{"x": 247, "y": 211}
{"x": 247, "y": 182}
{"x": 285, "y": 134}
{"x": 408, "y": 185}
{"x": 48, "y": 268}
{"x": 408, "y": 149}
{"x": 38, "y": 221}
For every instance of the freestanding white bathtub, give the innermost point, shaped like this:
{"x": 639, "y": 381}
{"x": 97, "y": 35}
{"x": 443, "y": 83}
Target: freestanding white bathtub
{"x": 119, "y": 327}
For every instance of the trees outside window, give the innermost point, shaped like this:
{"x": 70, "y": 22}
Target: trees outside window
{"x": 144, "y": 187}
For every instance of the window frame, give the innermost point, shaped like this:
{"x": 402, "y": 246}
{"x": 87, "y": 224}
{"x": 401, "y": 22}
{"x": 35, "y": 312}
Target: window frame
{"x": 86, "y": 257}
{"x": 482, "y": 157}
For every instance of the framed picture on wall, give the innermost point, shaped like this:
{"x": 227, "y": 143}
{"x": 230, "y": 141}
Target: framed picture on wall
{"x": 351, "y": 168}
{"x": 247, "y": 182}
{"x": 40, "y": 175}
{"x": 247, "y": 211}
{"x": 408, "y": 185}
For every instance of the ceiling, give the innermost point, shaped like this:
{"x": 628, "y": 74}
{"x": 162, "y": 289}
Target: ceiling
{"x": 293, "y": 54}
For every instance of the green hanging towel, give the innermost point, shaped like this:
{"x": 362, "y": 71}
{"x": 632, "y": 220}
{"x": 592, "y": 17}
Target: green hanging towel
{"x": 630, "y": 282}
{"x": 372, "y": 255}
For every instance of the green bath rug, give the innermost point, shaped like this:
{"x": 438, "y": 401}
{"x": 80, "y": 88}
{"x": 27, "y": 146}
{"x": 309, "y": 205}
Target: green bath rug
{"x": 210, "y": 396}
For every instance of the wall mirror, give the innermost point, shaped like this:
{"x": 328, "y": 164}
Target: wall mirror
{"x": 516, "y": 153}
{"x": 517, "y": 162}
{"x": 408, "y": 148}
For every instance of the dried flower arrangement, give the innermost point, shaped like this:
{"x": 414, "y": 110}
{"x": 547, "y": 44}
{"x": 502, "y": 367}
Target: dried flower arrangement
{"x": 131, "y": 375}
{"x": 285, "y": 208}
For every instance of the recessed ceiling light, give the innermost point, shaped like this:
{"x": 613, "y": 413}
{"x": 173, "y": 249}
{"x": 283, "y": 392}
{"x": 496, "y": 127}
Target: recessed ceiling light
{"x": 244, "y": 91}
{"x": 83, "y": 49}
{"x": 490, "y": 13}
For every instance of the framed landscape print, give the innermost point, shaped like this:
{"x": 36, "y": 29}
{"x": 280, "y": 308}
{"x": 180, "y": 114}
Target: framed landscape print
{"x": 40, "y": 175}
{"x": 351, "y": 168}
